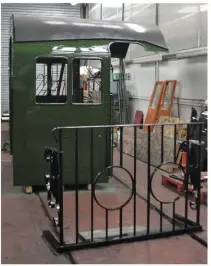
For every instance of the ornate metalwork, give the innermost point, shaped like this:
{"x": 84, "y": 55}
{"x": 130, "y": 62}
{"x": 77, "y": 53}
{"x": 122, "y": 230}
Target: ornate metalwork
{"x": 131, "y": 191}
{"x": 52, "y": 181}
{"x": 54, "y": 185}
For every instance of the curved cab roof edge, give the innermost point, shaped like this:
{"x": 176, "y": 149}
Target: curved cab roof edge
{"x": 31, "y": 29}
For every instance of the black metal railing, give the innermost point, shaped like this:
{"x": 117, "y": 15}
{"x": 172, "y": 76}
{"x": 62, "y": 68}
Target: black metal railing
{"x": 191, "y": 173}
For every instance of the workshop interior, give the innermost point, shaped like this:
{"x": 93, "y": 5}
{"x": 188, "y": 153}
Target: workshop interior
{"x": 104, "y": 118}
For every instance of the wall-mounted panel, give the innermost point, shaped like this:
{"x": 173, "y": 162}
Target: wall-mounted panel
{"x": 179, "y": 24}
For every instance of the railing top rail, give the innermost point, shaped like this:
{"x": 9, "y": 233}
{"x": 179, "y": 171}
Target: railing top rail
{"x": 126, "y": 125}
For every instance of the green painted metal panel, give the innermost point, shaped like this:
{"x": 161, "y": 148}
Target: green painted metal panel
{"x": 32, "y": 123}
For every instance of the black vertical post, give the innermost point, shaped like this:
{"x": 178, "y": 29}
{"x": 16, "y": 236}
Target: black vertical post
{"x": 198, "y": 190}
{"x": 61, "y": 221}
{"x": 76, "y": 186}
{"x": 161, "y": 216}
{"x": 121, "y": 146}
{"x": 112, "y": 146}
{"x": 120, "y": 222}
{"x": 162, "y": 129}
{"x": 49, "y": 79}
{"x": 148, "y": 180}
{"x": 106, "y": 225}
{"x": 92, "y": 183}
{"x": 134, "y": 184}
{"x": 175, "y": 142}
{"x": 187, "y": 175}
{"x": 173, "y": 217}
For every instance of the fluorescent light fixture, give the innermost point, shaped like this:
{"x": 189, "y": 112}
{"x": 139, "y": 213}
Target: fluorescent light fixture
{"x": 147, "y": 59}
{"x": 199, "y": 51}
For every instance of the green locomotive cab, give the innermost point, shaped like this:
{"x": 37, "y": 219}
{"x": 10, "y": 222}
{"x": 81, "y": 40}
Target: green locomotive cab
{"x": 60, "y": 76}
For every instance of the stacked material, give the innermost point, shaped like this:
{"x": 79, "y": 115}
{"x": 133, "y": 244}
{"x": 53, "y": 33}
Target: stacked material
{"x": 155, "y": 143}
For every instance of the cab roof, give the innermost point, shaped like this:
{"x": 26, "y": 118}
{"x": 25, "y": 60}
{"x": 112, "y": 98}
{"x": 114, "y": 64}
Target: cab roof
{"x": 41, "y": 29}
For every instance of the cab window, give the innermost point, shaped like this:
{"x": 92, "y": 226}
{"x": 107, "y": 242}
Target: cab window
{"x": 87, "y": 81}
{"x": 51, "y": 80}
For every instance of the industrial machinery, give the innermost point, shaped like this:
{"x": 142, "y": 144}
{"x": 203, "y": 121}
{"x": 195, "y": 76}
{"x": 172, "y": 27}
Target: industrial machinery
{"x": 59, "y": 75}
{"x": 195, "y": 149}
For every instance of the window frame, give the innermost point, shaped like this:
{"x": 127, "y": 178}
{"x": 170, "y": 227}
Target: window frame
{"x": 87, "y": 57}
{"x": 43, "y": 60}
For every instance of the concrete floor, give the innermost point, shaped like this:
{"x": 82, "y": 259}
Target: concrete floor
{"x": 23, "y": 220}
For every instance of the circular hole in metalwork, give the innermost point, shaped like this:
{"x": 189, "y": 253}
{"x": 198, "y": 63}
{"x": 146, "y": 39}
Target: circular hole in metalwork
{"x": 166, "y": 182}
{"x": 112, "y": 181}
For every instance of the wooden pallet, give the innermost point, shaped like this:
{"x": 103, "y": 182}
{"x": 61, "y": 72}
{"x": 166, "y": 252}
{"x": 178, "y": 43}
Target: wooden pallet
{"x": 168, "y": 181}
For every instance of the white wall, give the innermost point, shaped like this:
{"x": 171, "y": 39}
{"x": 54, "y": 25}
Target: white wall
{"x": 184, "y": 26}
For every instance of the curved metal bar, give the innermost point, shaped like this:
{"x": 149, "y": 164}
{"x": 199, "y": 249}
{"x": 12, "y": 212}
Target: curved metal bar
{"x": 151, "y": 178}
{"x": 129, "y": 198}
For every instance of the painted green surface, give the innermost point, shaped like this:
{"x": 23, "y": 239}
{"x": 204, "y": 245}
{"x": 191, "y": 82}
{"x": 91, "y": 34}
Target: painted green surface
{"x": 32, "y": 123}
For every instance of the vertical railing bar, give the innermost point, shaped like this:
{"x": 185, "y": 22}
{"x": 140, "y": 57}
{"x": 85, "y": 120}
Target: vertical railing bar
{"x": 187, "y": 176}
{"x": 121, "y": 146}
{"x": 107, "y": 147}
{"x": 161, "y": 216}
{"x": 134, "y": 182}
{"x": 175, "y": 142}
{"x": 162, "y": 133}
{"x": 106, "y": 225}
{"x": 92, "y": 183}
{"x": 148, "y": 180}
{"x": 76, "y": 185}
{"x": 173, "y": 217}
{"x": 120, "y": 222}
{"x": 198, "y": 189}
{"x": 61, "y": 217}
{"x": 112, "y": 141}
